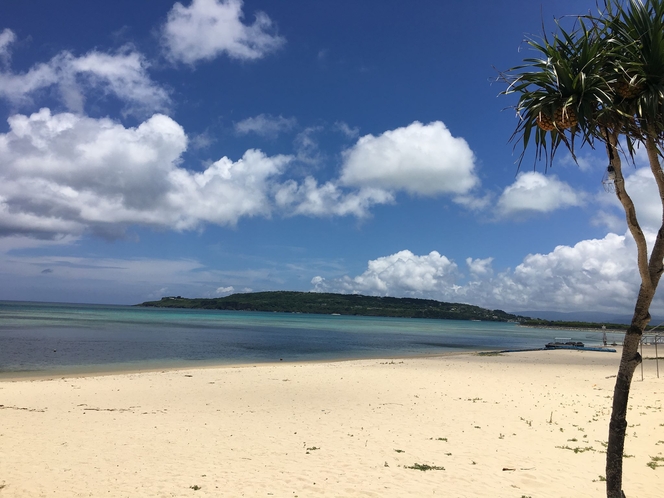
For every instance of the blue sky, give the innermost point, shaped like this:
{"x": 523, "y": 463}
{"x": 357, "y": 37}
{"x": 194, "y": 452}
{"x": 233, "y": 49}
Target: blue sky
{"x": 216, "y": 146}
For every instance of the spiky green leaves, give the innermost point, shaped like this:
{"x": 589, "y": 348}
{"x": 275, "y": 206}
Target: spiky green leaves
{"x": 605, "y": 74}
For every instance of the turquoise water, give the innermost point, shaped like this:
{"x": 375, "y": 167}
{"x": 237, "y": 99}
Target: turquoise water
{"x": 51, "y": 338}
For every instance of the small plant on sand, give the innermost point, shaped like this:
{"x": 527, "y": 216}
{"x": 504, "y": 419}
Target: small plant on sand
{"x": 653, "y": 462}
{"x": 400, "y": 451}
{"x": 600, "y": 479}
{"x": 423, "y": 467}
{"x": 578, "y": 449}
{"x": 195, "y": 487}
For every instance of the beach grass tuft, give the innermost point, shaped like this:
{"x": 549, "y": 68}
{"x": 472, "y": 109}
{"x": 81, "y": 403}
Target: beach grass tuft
{"x": 424, "y": 467}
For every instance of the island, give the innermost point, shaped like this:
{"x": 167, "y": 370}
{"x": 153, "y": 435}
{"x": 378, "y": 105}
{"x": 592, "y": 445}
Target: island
{"x": 339, "y": 304}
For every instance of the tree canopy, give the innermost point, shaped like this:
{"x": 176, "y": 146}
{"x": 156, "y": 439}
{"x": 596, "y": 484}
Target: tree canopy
{"x": 602, "y": 83}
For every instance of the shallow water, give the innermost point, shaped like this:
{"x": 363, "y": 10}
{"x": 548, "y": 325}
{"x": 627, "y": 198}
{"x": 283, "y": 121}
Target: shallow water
{"x": 54, "y": 337}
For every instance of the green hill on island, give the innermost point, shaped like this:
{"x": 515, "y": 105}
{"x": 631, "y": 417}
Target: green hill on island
{"x": 342, "y": 304}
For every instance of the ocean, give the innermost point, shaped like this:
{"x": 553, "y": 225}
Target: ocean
{"x": 52, "y": 338}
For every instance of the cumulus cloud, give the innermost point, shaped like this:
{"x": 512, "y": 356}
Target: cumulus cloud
{"x": 208, "y": 28}
{"x": 122, "y": 75}
{"x": 225, "y": 290}
{"x": 597, "y": 275}
{"x": 66, "y": 174}
{"x": 63, "y": 174}
{"x": 328, "y": 199}
{"x": 480, "y": 267}
{"x": 265, "y": 125}
{"x": 400, "y": 274}
{"x": 641, "y": 187}
{"x": 534, "y": 192}
{"x": 226, "y": 191}
{"x": 419, "y": 159}
{"x": 643, "y": 190}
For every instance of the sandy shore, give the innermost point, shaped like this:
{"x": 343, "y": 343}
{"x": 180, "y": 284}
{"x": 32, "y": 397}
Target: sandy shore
{"x": 515, "y": 425}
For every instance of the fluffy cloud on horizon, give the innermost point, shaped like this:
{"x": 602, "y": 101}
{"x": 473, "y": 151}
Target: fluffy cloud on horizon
{"x": 593, "y": 275}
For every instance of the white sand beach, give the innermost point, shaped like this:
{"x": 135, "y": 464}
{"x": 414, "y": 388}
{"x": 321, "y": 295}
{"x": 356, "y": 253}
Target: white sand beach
{"x": 516, "y": 425}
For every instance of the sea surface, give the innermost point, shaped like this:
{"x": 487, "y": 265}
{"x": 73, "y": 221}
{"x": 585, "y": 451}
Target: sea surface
{"x": 52, "y": 338}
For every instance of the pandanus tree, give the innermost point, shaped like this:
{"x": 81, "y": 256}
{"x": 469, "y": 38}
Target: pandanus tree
{"x": 601, "y": 82}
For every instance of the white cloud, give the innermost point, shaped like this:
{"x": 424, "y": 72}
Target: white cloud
{"x": 123, "y": 75}
{"x": 225, "y": 290}
{"x": 641, "y": 187}
{"x": 328, "y": 199}
{"x": 208, "y": 28}
{"x": 586, "y": 162}
{"x": 7, "y": 37}
{"x": 306, "y": 146}
{"x": 597, "y": 274}
{"x": 643, "y": 190}
{"x": 18, "y": 242}
{"x": 473, "y": 202}
{"x": 226, "y": 191}
{"x": 347, "y": 130}
{"x": 608, "y": 220}
{"x": 534, "y": 192}
{"x": 265, "y": 125}
{"x": 592, "y": 275}
{"x": 399, "y": 274}
{"x": 419, "y": 159}
{"x": 201, "y": 140}
{"x": 64, "y": 174}
{"x": 480, "y": 267}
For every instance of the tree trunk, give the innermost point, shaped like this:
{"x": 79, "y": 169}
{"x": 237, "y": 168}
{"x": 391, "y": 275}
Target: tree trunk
{"x": 618, "y": 425}
{"x": 650, "y": 272}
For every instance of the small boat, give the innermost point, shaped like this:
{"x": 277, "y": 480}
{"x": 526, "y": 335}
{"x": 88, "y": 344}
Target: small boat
{"x": 557, "y": 344}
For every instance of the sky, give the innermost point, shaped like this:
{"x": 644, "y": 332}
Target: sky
{"x": 206, "y": 147}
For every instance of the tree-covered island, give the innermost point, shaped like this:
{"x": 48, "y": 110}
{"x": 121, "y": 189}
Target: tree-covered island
{"x": 342, "y": 304}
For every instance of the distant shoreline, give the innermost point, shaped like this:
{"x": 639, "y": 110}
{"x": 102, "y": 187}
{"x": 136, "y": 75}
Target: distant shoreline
{"x": 586, "y": 329}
